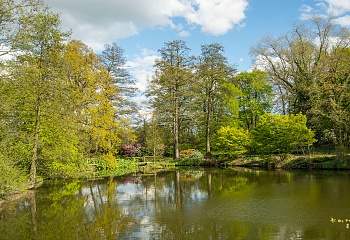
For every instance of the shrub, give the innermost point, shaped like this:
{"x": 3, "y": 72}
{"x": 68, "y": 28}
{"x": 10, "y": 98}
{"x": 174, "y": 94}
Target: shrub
{"x": 62, "y": 170}
{"x": 132, "y": 150}
{"x": 232, "y": 141}
{"x": 191, "y": 157}
{"x": 12, "y": 179}
{"x": 281, "y": 134}
{"x": 186, "y": 153}
{"x": 120, "y": 167}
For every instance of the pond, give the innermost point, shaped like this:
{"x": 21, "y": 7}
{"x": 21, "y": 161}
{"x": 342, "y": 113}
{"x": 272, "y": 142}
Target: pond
{"x": 195, "y": 203}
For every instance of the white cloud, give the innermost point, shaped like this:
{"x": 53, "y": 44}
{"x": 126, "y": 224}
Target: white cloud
{"x": 99, "y": 22}
{"x": 338, "y": 7}
{"x": 217, "y": 17}
{"x": 141, "y": 68}
{"x": 184, "y": 34}
{"x": 96, "y": 37}
{"x": 4, "y": 53}
{"x": 340, "y": 10}
{"x": 306, "y": 9}
{"x": 344, "y": 21}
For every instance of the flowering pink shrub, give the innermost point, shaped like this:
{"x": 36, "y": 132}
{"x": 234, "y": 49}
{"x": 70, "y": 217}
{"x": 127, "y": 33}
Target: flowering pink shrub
{"x": 132, "y": 150}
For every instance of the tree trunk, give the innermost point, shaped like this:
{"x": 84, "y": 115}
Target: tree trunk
{"x": 209, "y": 183}
{"x": 176, "y": 153}
{"x": 33, "y": 213}
{"x": 35, "y": 147}
{"x": 207, "y": 131}
{"x": 178, "y": 199}
{"x": 154, "y": 154}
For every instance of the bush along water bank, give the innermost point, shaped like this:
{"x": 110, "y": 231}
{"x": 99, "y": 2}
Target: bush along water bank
{"x": 331, "y": 162}
{"x": 93, "y": 168}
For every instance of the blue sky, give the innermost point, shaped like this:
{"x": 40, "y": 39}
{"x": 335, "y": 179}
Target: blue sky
{"x": 141, "y": 27}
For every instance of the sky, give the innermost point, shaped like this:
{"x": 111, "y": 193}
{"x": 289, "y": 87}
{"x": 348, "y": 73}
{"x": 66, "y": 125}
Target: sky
{"x": 141, "y": 27}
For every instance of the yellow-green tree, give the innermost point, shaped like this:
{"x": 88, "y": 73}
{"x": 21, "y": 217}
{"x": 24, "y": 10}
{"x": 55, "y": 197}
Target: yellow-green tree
{"x": 231, "y": 141}
{"x": 35, "y": 75}
{"x": 281, "y": 133}
{"x": 94, "y": 94}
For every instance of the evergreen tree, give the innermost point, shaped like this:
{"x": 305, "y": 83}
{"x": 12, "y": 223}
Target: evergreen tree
{"x": 214, "y": 73}
{"x": 171, "y": 87}
{"x": 114, "y": 63}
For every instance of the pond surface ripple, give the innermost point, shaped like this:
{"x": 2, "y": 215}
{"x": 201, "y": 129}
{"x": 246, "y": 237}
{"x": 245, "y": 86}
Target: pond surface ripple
{"x": 205, "y": 203}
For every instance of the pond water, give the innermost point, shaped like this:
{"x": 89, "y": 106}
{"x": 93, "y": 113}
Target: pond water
{"x": 185, "y": 204}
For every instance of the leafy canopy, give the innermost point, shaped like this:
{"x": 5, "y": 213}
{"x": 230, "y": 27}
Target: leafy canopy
{"x": 281, "y": 133}
{"x": 232, "y": 141}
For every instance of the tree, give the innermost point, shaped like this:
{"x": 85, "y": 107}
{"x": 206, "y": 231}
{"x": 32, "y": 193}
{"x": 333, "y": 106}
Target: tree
{"x": 330, "y": 114}
{"x": 294, "y": 59}
{"x": 232, "y": 141}
{"x": 80, "y": 73}
{"x": 281, "y": 134}
{"x": 13, "y": 150}
{"x": 114, "y": 62}
{"x": 214, "y": 73}
{"x": 303, "y": 65}
{"x": 11, "y": 16}
{"x": 170, "y": 88}
{"x": 35, "y": 73}
{"x": 102, "y": 124}
{"x": 254, "y": 95}
{"x": 154, "y": 140}
{"x": 94, "y": 93}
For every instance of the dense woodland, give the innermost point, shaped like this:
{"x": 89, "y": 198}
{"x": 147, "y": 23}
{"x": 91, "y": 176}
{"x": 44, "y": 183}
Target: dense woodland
{"x": 62, "y": 103}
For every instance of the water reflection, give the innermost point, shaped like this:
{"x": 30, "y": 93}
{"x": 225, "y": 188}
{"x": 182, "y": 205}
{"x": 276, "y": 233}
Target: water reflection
{"x": 185, "y": 204}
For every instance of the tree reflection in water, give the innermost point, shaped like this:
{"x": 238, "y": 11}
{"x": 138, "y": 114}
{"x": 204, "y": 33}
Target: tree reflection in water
{"x": 184, "y": 204}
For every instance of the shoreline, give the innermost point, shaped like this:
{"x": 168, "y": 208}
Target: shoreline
{"x": 294, "y": 162}
{"x": 273, "y": 162}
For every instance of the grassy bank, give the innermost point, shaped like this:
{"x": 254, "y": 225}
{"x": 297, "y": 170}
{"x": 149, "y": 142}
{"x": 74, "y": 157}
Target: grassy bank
{"x": 315, "y": 161}
{"x": 98, "y": 168}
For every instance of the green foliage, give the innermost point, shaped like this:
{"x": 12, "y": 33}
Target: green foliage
{"x": 255, "y": 95}
{"x": 111, "y": 167}
{"x": 60, "y": 100}
{"x": 68, "y": 189}
{"x": 214, "y": 74}
{"x": 35, "y": 74}
{"x": 171, "y": 89}
{"x": 310, "y": 75}
{"x": 153, "y": 139}
{"x": 12, "y": 178}
{"x": 95, "y": 93}
{"x": 232, "y": 141}
{"x": 281, "y": 134}
{"x": 59, "y": 170}
{"x": 191, "y": 157}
